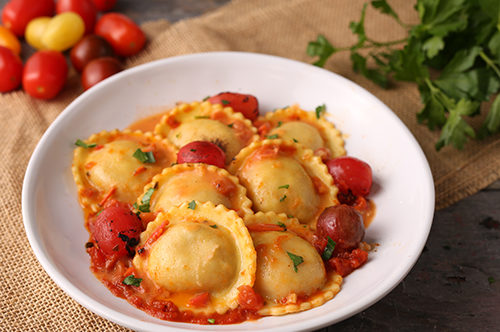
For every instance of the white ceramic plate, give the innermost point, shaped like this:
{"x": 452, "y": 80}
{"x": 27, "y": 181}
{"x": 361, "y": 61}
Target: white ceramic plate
{"x": 404, "y": 191}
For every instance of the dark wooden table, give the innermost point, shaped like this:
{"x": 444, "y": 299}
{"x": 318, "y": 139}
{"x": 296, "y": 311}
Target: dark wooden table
{"x": 455, "y": 285}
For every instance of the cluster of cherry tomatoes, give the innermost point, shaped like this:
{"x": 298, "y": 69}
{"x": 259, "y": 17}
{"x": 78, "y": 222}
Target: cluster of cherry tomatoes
{"x": 94, "y": 42}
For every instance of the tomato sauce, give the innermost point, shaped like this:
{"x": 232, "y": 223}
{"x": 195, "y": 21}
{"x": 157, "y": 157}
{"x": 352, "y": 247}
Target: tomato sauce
{"x": 148, "y": 123}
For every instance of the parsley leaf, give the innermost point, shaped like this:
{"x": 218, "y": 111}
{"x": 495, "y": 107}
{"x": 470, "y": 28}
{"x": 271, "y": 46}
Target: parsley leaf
{"x": 84, "y": 145}
{"x": 319, "y": 110}
{"x": 297, "y": 260}
{"x": 282, "y": 225}
{"x": 192, "y": 205}
{"x": 384, "y": 7}
{"x": 225, "y": 102}
{"x": 456, "y": 129}
{"x": 283, "y": 198}
{"x": 275, "y": 136}
{"x": 146, "y": 199}
{"x": 321, "y": 48}
{"x": 328, "y": 251}
{"x": 132, "y": 281}
{"x": 285, "y": 186}
{"x": 144, "y": 157}
{"x": 211, "y": 320}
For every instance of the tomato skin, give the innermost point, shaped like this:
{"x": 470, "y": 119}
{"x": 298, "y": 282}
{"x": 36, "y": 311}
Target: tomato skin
{"x": 248, "y": 105}
{"x": 116, "y": 230}
{"x": 35, "y": 30}
{"x": 44, "y": 74}
{"x": 104, "y": 5}
{"x": 201, "y": 152}
{"x": 11, "y": 70}
{"x": 85, "y": 8}
{"x": 351, "y": 174}
{"x": 63, "y": 31}
{"x": 99, "y": 69}
{"x": 9, "y": 40}
{"x": 89, "y": 48}
{"x": 343, "y": 224}
{"x": 121, "y": 32}
{"x": 18, "y": 13}
{"x": 248, "y": 299}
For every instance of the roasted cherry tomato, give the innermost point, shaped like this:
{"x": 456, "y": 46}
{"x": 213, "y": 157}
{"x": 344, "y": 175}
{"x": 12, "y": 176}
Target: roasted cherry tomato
{"x": 18, "y": 13}
{"x": 246, "y": 104}
{"x": 104, "y": 5}
{"x": 89, "y": 48}
{"x": 35, "y": 30}
{"x": 9, "y": 40}
{"x": 44, "y": 74}
{"x": 201, "y": 152}
{"x": 122, "y": 33}
{"x": 116, "y": 230}
{"x": 99, "y": 69}
{"x": 63, "y": 31}
{"x": 11, "y": 70}
{"x": 85, "y": 8}
{"x": 343, "y": 224}
{"x": 351, "y": 174}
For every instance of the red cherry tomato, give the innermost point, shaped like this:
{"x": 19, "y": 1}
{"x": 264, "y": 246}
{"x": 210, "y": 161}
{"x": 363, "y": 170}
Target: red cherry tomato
{"x": 201, "y": 152}
{"x": 11, "y": 70}
{"x": 246, "y": 104}
{"x": 44, "y": 74}
{"x": 104, "y": 5}
{"x": 351, "y": 174}
{"x": 89, "y": 48}
{"x": 18, "y": 13}
{"x": 343, "y": 224}
{"x": 116, "y": 230}
{"x": 99, "y": 69}
{"x": 122, "y": 33}
{"x": 85, "y": 8}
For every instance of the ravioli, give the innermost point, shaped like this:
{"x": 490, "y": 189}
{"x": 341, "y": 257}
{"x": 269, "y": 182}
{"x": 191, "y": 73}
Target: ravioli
{"x": 107, "y": 168}
{"x": 201, "y": 182}
{"x": 284, "y": 177}
{"x": 307, "y": 128}
{"x": 206, "y": 122}
{"x": 197, "y": 248}
{"x": 288, "y": 285}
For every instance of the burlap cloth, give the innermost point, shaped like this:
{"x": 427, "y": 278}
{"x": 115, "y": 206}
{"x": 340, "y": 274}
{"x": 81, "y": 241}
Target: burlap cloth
{"x": 29, "y": 300}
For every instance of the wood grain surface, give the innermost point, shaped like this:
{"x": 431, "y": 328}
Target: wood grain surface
{"x": 454, "y": 286}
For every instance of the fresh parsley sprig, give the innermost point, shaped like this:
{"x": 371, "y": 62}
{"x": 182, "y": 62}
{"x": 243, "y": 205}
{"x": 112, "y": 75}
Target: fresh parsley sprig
{"x": 458, "y": 39}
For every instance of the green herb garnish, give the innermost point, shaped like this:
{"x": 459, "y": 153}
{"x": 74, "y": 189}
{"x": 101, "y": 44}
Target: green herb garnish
{"x": 225, "y": 102}
{"x": 206, "y": 98}
{"x": 146, "y": 199}
{"x": 132, "y": 281}
{"x": 82, "y": 144}
{"x": 491, "y": 280}
{"x": 192, "y": 205}
{"x": 297, "y": 260}
{"x": 319, "y": 110}
{"x": 279, "y": 124}
{"x": 230, "y": 125}
{"x": 202, "y": 117}
{"x": 144, "y": 157}
{"x": 285, "y": 186}
{"x": 213, "y": 226}
{"x": 328, "y": 251}
{"x": 295, "y": 140}
{"x": 452, "y": 55}
{"x": 273, "y": 136}
{"x": 282, "y": 225}
{"x": 211, "y": 320}
{"x": 283, "y": 198}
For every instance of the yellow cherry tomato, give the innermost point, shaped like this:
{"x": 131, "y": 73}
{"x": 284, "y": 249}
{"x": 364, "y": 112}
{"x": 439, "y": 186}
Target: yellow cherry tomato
{"x": 9, "y": 40}
{"x": 35, "y": 30}
{"x": 63, "y": 31}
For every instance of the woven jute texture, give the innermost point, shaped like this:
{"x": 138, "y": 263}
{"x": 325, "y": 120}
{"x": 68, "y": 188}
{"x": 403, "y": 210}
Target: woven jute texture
{"x": 30, "y": 301}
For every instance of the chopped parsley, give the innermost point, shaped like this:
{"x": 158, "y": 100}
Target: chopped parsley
{"x": 320, "y": 109}
{"x": 279, "y": 124}
{"x": 146, "y": 199}
{"x": 295, "y": 140}
{"x": 202, "y": 117}
{"x": 491, "y": 280}
{"x": 285, "y": 186}
{"x": 225, "y": 102}
{"x": 213, "y": 226}
{"x": 211, "y": 320}
{"x": 144, "y": 157}
{"x": 273, "y": 136}
{"x": 297, "y": 260}
{"x": 230, "y": 125}
{"x": 82, "y": 144}
{"x": 193, "y": 150}
{"x": 330, "y": 246}
{"x": 289, "y": 216}
{"x": 205, "y": 99}
{"x": 132, "y": 281}
{"x": 282, "y": 225}
{"x": 192, "y": 205}
{"x": 283, "y": 198}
